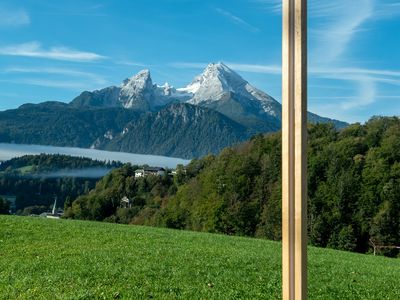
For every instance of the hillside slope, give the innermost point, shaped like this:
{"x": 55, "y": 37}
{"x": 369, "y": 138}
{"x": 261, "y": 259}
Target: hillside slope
{"x": 35, "y": 180}
{"x": 179, "y": 130}
{"x": 353, "y": 188}
{"x": 41, "y": 258}
{"x": 57, "y": 124}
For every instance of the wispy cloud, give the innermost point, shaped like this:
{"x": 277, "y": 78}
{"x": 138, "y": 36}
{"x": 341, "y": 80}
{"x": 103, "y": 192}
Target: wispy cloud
{"x": 332, "y": 30}
{"x": 13, "y": 17}
{"x": 362, "y": 71}
{"x": 387, "y": 10}
{"x": 52, "y": 77}
{"x": 334, "y": 26}
{"x": 9, "y": 95}
{"x": 50, "y": 83}
{"x": 274, "y": 6}
{"x": 92, "y": 77}
{"x": 352, "y": 97}
{"x": 262, "y": 69}
{"x": 35, "y": 49}
{"x": 54, "y": 9}
{"x": 365, "y": 97}
{"x": 237, "y": 20}
{"x": 131, "y": 63}
{"x": 324, "y": 71}
{"x": 250, "y": 68}
{"x": 187, "y": 65}
{"x": 364, "y": 80}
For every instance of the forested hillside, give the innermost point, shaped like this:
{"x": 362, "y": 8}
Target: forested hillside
{"x": 43, "y": 163}
{"x": 353, "y": 187}
{"x": 57, "y": 124}
{"x": 35, "y": 180}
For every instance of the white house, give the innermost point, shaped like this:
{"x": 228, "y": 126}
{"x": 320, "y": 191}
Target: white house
{"x": 149, "y": 171}
{"x": 139, "y": 173}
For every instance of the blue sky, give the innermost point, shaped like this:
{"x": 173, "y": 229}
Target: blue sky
{"x": 53, "y": 50}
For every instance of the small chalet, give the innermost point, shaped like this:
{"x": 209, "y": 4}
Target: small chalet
{"x": 126, "y": 202}
{"x": 149, "y": 171}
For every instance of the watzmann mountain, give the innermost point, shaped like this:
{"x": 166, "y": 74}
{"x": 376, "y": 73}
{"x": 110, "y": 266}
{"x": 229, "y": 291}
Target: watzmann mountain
{"x": 217, "y": 109}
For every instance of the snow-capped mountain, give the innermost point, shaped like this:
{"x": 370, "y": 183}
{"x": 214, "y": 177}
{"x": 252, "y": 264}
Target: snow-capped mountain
{"x": 218, "y": 82}
{"x": 137, "y": 92}
{"x": 222, "y": 89}
{"x": 218, "y": 87}
{"x": 217, "y": 109}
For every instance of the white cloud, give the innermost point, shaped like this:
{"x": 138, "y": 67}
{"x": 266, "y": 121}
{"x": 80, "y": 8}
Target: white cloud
{"x": 362, "y": 71}
{"x": 9, "y": 95}
{"x": 237, "y": 20}
{"x": 188, "y": 65}
{"x": 74, "y": 85}
{"x": 387, "y": 10}
{"x": 34, "y": 49}
{"x": 325, "y": 71}
{"x": 250, "y": 68}
{"x": 262, "y": 69}
{"x": 130, "y": 63}
{"x": 92, "y": 77}
{"x": 364, "y": 80}
{"x": 69, "y": 85}
{"x": 13, "y": 18}
{"x": 334, "y": 27}
{"x": 274, "y": 6}
{"x": 69, "y": 79}
{"x": 365, "y": 97}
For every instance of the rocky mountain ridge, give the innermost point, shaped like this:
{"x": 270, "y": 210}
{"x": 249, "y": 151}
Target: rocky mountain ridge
{"x": 217, "y": 109}
{"x": 218, "y": 87}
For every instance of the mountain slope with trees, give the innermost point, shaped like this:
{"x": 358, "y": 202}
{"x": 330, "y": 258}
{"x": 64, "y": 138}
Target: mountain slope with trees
{"x": 35, "y": 180}
{"x": 353, "y": 187}
{"x": 57, "y": 124}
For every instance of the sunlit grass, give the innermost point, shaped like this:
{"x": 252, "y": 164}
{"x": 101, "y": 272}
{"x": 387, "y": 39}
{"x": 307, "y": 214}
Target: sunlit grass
{"x": 63, "y": 259}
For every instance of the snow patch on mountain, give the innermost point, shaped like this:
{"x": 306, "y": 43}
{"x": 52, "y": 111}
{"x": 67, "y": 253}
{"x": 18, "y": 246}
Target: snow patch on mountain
{"x": 218, "y": 83}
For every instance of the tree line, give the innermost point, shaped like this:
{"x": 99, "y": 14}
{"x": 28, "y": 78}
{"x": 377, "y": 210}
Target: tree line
{"x": 353, "y": 190}
{"x": 29, "y": 178}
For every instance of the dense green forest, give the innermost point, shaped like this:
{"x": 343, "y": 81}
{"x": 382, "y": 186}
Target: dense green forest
{"x": 57, "y": 124}
{"x": 51, "y": 162}
{"x": 34, "y": 180}
{"x": 178, "y": 130}
{"x": 353, "y": 187}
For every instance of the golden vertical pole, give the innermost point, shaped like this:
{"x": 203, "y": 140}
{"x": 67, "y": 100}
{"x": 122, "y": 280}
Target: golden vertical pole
{"x": 294, "y": 143}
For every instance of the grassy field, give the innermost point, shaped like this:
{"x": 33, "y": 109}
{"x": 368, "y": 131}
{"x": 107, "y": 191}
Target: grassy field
{"x": 62, "y": 259}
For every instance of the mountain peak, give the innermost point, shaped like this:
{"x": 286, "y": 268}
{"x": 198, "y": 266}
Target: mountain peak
{"x": 143, "y": 73}
{"x": 220, "y": 66}
{"x": 142, "y": 76}
{"x": 221, "y": 71}
{"x": 214, "y": 83}
{"x": 137, "y": 91}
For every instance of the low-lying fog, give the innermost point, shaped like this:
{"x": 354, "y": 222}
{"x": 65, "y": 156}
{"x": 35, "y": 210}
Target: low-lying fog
{"x": 8, "y": 151}
{"x": 78, "y": 173}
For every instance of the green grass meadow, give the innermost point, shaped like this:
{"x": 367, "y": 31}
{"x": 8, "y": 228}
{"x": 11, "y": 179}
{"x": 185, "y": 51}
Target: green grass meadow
{"x": 64, "y": 259}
